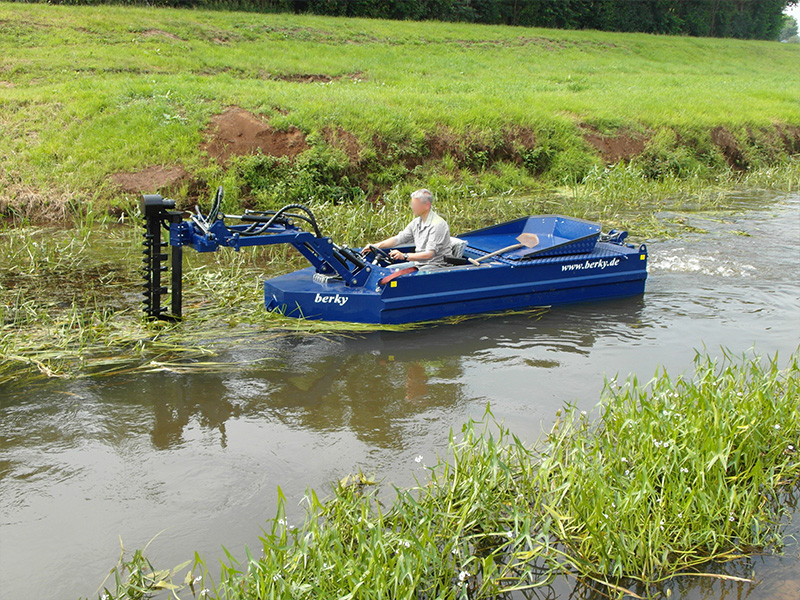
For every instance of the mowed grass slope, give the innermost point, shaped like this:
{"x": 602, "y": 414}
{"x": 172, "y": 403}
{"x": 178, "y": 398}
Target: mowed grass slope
{"x": 89, "y": 91}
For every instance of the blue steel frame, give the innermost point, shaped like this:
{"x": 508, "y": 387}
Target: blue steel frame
{"x": 353, "y": 289}
{"x": 321, "y": 252}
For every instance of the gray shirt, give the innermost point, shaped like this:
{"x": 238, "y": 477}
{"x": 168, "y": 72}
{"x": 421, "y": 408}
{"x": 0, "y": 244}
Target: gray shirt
{"x": 431, "y": 234}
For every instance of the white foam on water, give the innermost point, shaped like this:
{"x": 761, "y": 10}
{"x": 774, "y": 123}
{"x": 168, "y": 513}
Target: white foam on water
{"x": 680, "y": 262}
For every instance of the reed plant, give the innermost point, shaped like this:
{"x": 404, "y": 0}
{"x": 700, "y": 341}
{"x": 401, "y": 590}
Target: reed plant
{"x": 674, "y": 477}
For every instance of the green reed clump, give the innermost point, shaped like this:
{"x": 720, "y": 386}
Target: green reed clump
{"x": 674, "y": 474}
{"x": 447, "y": 538}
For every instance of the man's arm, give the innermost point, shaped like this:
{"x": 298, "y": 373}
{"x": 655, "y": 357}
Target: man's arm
{"x": 397, "y": 255}
{"x": 404, "y": 237}
{"x": 387, "y": 243}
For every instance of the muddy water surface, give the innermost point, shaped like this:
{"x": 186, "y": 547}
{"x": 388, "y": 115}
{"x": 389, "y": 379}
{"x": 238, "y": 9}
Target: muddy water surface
{"x": 200, "y": 456}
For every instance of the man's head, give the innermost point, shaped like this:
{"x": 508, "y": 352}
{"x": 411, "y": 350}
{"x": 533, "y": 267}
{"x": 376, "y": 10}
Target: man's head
{"x": 421, "y": 201}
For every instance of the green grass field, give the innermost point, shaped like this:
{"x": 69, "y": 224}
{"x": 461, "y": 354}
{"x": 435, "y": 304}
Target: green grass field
{"x": 86, "y": 92}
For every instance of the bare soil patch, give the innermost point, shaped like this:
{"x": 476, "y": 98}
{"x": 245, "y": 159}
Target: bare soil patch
{"x": 343, "y": 140}
{"x": 301, "y": 77}
{"x": 311, "y": 77}
{"x": 160, "y": 33}
{"x": 729, "y": 147}
{"x": 462, "y": 146}
{"x": 521, "y": 137}
{"x": 238, "y": 132}
{"x": 613, "y": 148}
{"x": 150, "y": 179}
{"x": 790, "y": 136}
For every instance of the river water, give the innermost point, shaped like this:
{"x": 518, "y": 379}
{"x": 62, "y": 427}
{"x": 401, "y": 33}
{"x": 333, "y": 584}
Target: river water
{"x": 201, "y": 456}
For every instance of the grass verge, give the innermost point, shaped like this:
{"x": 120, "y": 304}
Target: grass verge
{"x": 90, "y": 92}
{"x": 675, "y": 474}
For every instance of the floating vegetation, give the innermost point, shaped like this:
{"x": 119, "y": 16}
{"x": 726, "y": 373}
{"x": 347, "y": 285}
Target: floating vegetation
{"x": 69, "y": 307}
{"x": 70, "y": 302}
{"x": 676, "y": 476}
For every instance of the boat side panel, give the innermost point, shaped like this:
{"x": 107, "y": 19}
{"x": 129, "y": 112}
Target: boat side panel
{"x": 607, "y": 273}
{"x": 409, "y": 314}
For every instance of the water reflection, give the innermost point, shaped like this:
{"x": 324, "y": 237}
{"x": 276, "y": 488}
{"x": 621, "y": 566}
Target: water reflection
{"x": 366, "y": 384}
{"x": 183, "y": 399}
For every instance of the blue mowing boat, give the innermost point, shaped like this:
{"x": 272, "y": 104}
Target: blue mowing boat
{"x": 529, "y": 262}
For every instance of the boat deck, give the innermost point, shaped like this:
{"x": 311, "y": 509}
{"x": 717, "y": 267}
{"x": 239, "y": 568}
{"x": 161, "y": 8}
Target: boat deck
{"x": 558, "y": 236}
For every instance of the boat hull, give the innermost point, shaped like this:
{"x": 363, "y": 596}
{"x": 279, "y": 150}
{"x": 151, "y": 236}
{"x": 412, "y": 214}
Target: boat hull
{"x": 609, "y": 271}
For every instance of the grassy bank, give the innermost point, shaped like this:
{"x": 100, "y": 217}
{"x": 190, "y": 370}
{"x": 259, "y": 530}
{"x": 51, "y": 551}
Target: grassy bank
{"x": 676, "y": 474}
{"x": 100, "y": 103}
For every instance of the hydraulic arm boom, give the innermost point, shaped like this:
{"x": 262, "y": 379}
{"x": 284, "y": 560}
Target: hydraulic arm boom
{"x": 210, "y": 233}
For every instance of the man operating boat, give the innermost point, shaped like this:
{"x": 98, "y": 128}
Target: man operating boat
{"x": 428, "y": 232}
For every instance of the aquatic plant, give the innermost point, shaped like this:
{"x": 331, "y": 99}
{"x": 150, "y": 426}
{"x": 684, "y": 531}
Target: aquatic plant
{"x": 674, "y": 476}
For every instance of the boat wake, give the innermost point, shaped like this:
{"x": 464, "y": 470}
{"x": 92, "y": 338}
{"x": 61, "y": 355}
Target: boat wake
{"x": 678, "y": 262}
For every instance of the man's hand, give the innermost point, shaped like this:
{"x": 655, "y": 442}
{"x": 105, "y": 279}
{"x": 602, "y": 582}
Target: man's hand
{"x": 366, "y": 249}
{"x": 397, "y": 255}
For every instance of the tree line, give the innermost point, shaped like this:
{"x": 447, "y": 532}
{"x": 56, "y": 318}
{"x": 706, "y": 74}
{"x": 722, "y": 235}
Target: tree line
{"x": 745, "y": 19}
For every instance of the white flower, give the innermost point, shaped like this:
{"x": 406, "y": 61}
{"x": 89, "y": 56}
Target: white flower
{"x": 680, "y": 515}
{"x": 627, "y": 472}
{"x": 418, "y": 459}
{"x": 204, "y": 592}
{"x": 777, "y": 426}
{"x": 624, "y": 459}
{"x": 463, "y": 576}
{"x": 405, "y": 543}
{"x": 684, "y": 470}
{"x": 196, "y": 580}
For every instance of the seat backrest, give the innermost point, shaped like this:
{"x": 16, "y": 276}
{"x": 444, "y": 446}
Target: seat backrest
{"x": 457, "y": 247}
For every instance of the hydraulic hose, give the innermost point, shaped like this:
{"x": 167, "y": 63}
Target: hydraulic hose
{"x": 258, "y": 228}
